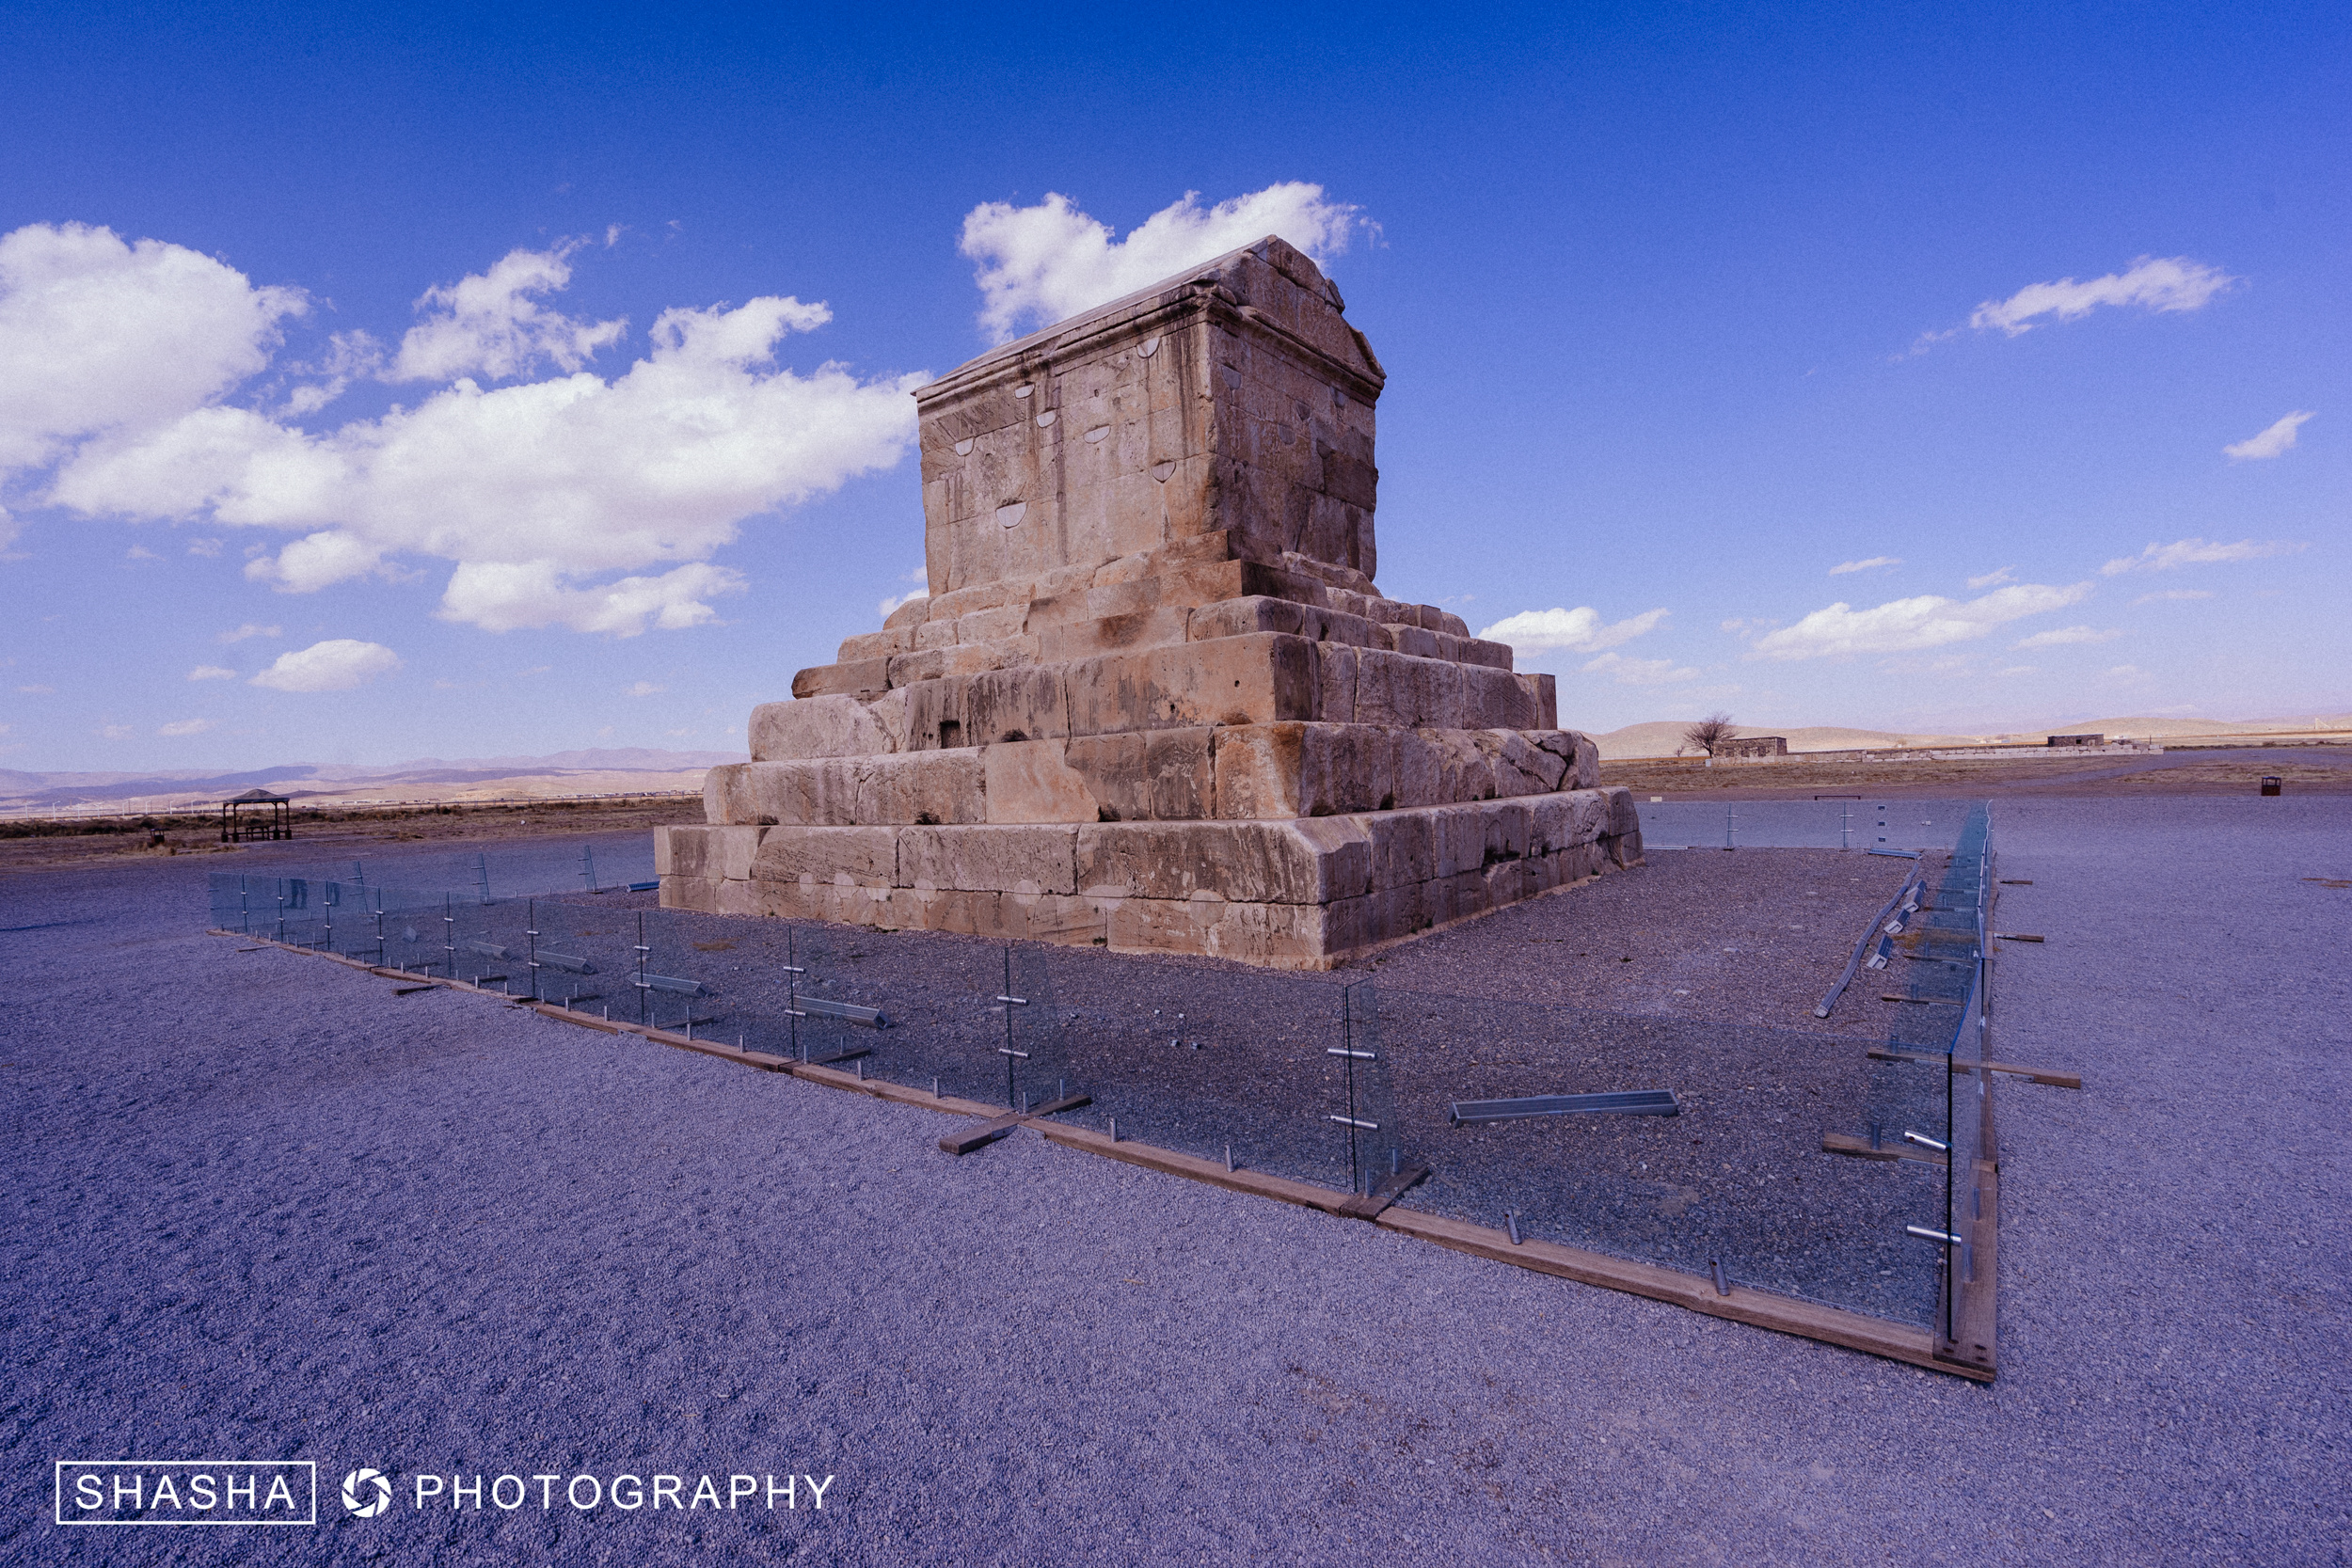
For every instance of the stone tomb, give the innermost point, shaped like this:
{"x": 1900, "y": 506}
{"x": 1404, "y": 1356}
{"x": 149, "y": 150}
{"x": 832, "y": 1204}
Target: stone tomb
{"x": 1154, "y": 700}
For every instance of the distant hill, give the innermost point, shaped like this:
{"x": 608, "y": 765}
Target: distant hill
{"x": 611, "y": 770}
{"x": 1663, "y": 737}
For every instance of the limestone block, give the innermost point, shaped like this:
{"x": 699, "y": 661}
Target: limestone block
{"x": 787, "y": 854}
{"x": 1250, "y": 861}
{"x": 740, "y": 898}
{"x": 990, "y": 626}
{"x": 908, "y": 615}
{"x": 816, "y": 727}
{"x": 718, "y": 787}
{"x": 874, "y": 645}
{"x": 841, "y": 792}
{"x": 936, "y": 715}
{"x": 699, "y": 893}
{"x": 940, "y": 786}
{"x": 1028, "y": 781}
{"x": 889, "y": 711}
{"x": 1577, "y": 751}
{"x": 1520, "y": 766}
{"x": 1151, "y": 775}
{"x": 1023, "y": 703}
{"x": 1285, "y": 770}
{"x": 1285, "y": 936}
{"x": 1026, "y": 859}
{"x": 1472, "y": 650}
{"x": 937, "y": 632}
{"x": 1259, "y": 612}
{"x": 1335, "y": 682}
{"x": 1236, "y": 680}
{"x": 866, "y": 677}
{"x": 733, "y": 847}
{"x": 1139, "y": 628}
{"x": 694, "y": 851}
{"x": 1499, "y": 699}
{"x": 1544, "y": 693}
{"x": 1413, "y": 640}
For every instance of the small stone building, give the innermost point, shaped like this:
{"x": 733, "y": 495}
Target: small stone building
{"x": 2077, "y": 740}
{"x": 1750, "y": 747}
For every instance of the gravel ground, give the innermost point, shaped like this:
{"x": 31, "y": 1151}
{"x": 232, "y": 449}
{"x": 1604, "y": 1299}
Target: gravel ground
{"x": 262, "y": 1207}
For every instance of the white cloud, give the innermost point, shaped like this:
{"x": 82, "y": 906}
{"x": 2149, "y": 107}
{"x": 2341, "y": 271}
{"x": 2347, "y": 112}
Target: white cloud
{"x": 1905, "y": 626}
{"x": 1040, "y": 264}
{"x": 336, "y": 664}
{"x": 38, "y": 690}
{"x": 533, "y": 490}
{"x": 1579, "y": 630}
{"x": 212, "y": 673}
{"x": 2060, "y": 636}
{"x": 2194, "y": 552}
{"x": 2170, "y": 593}
{"x": 1639, "y": 672}
{"x": 2127, "y": 673}
{"x": 487, "y": 323}
{"x": 141, "y": 552}
{"x": 890, "y": 604}
{"x": 1994, "y": 579}
{"x": 643, "y": 688}
{"x": 2271, "y": 442}
{"x": 2167, "y": 284}
{"x": 186, "y": 726}
{"x": 250, "y": 629}
{"x": 97, "y": 335}
{"x": 114, "y": 732}
{"x": 1870, "y": 566}
{"x": 204, "y": 546}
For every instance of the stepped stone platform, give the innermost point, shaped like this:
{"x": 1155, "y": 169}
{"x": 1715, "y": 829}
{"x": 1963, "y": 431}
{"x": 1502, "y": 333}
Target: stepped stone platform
{"x": 1154, "y": 700}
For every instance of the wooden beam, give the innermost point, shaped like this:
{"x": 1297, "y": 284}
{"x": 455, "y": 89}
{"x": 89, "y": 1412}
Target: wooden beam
{"x": 1761, "y": 1309}
{"x": 2040, "y": 1075}
{"x": 980, "y": 1136}
{"x": 1971, "y": 1347}
{"x": 1256, "y": 1183}
{"x": 1370, "y": 1205}
{"x": 1840, "y": 1142}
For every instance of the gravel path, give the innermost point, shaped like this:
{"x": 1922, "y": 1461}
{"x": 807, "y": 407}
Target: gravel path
{"x": 260, "y": 1206}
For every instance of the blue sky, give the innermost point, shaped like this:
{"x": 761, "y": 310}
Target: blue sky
{"x": 469, "y": 363}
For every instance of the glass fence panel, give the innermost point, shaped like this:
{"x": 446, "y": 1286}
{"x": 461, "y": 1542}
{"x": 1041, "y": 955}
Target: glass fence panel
{"x": 1692, "y": 1144}
{"x": 1892, "y": 823}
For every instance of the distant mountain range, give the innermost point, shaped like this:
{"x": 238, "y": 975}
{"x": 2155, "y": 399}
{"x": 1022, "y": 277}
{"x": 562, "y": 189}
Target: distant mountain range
{"x": 20, "y": 790}
{"x": 1663, "y": 737}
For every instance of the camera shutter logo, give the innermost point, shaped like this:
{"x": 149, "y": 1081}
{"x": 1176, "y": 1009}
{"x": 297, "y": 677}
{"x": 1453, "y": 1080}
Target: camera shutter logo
{"x": 366, "y": 1492}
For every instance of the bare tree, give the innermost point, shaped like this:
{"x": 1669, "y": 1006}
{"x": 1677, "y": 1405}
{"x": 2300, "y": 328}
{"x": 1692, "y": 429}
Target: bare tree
{"x": 1708, "y": 733}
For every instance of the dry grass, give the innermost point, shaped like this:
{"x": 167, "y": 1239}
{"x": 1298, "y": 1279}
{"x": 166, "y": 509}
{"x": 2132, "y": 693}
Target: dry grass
{"x": 2326, "y": 769}
{"x": 331, "y": 830}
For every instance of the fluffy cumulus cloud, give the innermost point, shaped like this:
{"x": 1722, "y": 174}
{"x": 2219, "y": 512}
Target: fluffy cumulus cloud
{"x": 1578, "y": 630}
{"x": 1872, "y": 565}
{"x": 1995, "y": 578}
{"x": 1039, "y": 264}
{"x": 338, "y": 664}
{"x": 2194, "y": 552}
{"x": 491, "y": 324}
{"x": 575, "y": 501}
{"x": 2162, "y": 285}
{"x": 1907, "y": 626}
{"x": 2271, "y": 442}
{"x": 2060, "y": 637}
{"x": 100, "y": 335}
